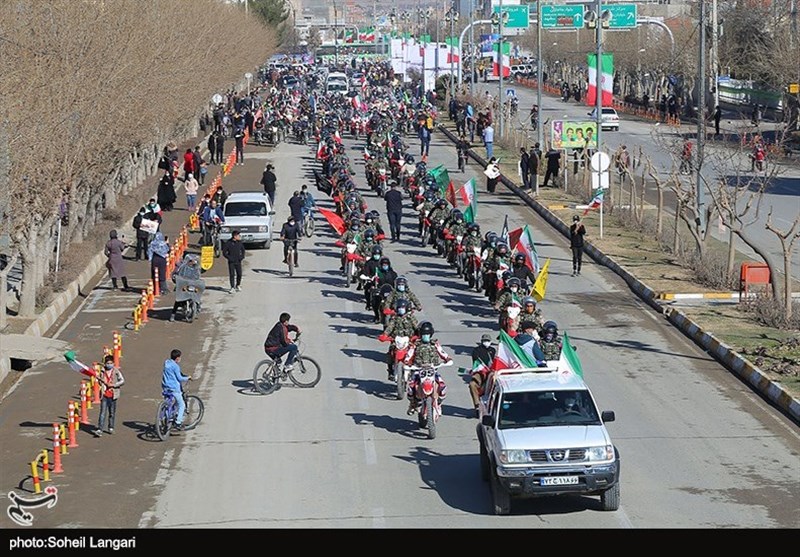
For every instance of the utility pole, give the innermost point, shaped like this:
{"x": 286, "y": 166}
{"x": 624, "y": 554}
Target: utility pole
{"x": 599, "y": 75}
{"x": 539, "y": 130}
{"x": 471, "y": 48}
{"x": 715, "y": 50}
{"x": 701, "y": 119}
{"x": 335, "y": 34}
{"x": 500, "y": 102}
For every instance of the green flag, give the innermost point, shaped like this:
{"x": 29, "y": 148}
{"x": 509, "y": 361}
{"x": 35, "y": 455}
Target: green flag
{"x": 442, "y": 178}
{"x": 451, "y": 41}
{"x": 569, "y": 357}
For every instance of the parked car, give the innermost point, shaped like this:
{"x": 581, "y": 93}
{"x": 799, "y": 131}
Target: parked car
{"x": 251, "y": 214}
{"x": 609, "y": 118}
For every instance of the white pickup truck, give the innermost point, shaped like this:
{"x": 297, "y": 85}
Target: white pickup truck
{"x": 540, "y": 433}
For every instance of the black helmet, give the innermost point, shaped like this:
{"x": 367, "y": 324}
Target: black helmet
{"x": 400, "y": 281}
{"x": 514, "y": 281}
{"x": 355, "y": 224}
{"x": 426, "y": 328}
{"x": 529, "y": 301}
{"x": 375, "y": 215}
{"x": 409, "y": 159}
{"x": 400, "y": 303}
{"x": 441, "y": 203}
{"x": 457, "y": 215}
{"x": 502, "y": 248}
{"x": 376, "y": 249}
{"x": 385, "y": 260}
{"x": 369, "y": 234}
{"x": 550, "y": 327}
{"x": 474, "y": 227}
{"x": 519, "y": 258}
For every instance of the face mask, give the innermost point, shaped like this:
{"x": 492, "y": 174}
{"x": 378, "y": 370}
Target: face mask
{"x": 376, "y": 257}
{"x": 291, "y": 223}
{"x": 401, "y": 311}
{"x": 109, "y": 366}
{"x": 426, "y": 338}
{"x": 384, "y": 267}
{"x": 473, "y": 234}
{"x": 401, "y": 288}
{"x": 486, "y": 344}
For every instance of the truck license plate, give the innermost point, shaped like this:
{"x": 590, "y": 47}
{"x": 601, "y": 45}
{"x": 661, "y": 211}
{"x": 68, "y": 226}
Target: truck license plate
{"x": 560, "y": 480}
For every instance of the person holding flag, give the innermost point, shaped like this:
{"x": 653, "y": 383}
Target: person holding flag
{"x": 483, "y": 357}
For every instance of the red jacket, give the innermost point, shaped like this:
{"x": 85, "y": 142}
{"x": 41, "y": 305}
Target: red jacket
{"x": 188, "y": 162}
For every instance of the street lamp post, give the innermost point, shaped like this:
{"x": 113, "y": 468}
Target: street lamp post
{"x": 424, "y": 16}
{"x": 498, "y": 18}
{"x": 598, "y": 18}
{"x": 335, "y": 34}
{"x": 451, "y": 17}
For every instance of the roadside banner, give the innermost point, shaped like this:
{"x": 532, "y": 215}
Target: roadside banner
{"x": 206, "y": 257}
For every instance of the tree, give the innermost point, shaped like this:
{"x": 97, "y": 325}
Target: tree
{"x": 270, "y": 12}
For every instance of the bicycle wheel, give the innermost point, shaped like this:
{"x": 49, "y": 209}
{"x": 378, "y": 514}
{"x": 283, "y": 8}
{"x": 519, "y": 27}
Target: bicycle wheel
{"x": 290, "y": 261}
{"x": 306, "y": 372}
{"x": 163, "y": 421}
{"x": 264, "y": 380}
{"x": 217, "y": 246}
{"x": 308, "y": 226}
{"x": 194, "y": 411}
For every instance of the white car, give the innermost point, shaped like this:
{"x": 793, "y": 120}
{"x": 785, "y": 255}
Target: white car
{"x": 251, "y": 214}
{"x": 610, "y": 118}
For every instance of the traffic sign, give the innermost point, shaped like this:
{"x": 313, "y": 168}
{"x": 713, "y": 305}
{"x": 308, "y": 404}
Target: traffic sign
{"x": 623, "y": 16}
{"x": 600, "y": 161}
{"x": 511, "y": 93}
{"x": 517, "y": 16}
{"x": 794, "y": 88}
{"x": 562, "y": 16}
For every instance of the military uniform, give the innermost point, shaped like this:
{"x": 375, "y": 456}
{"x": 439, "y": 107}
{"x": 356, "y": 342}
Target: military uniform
{"x": 552, "y": 350}
{"x": 413, "y": 301}
{"x": 401, "y": 325}
{"x": 535, "y": 318}
{"x": 422, "y": 354}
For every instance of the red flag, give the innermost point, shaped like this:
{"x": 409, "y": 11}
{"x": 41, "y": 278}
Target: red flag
{"x": 334, "y": 220}
{"x": 451, "y": 194}
{"x": 320, "y": 150}
{"x": 513, "y": 238}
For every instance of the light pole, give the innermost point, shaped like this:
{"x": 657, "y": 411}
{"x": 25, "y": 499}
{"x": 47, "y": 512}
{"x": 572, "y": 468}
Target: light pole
{"x": 424, "y": 16}
{"x": 451, "y": 18}
{"x": 539, "y": 130}
{"x": 498, "y": 18}
{"x": 598, "y": 19}
{"x": 335, "y": 34}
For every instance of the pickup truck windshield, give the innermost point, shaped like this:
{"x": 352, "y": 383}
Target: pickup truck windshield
{"x": 246, "y": 209}
{"x": 547, "y": 408}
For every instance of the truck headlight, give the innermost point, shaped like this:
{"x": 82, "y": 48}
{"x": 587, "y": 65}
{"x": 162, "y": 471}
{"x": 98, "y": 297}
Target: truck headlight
{"x": 225, "y": 229}
{"x": 262, "y": 228}
{"x": 598, "y": 454}
{"x": 516, "y": 456}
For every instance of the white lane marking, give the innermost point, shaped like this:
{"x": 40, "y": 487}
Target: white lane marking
{"x": 206, "y": 345}
{"x": 369, "y": 446}
{"x": 378, "y": 520}
{"x": 624, "y": 519}
{"x": 161, "y": 480}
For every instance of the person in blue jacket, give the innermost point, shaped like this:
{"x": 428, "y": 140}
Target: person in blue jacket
{"x": 172, "y": 380}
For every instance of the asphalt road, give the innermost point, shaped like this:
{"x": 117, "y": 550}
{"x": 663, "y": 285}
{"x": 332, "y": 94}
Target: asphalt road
{"x": 660, "y": 143}
{"x": 699, "y": 449}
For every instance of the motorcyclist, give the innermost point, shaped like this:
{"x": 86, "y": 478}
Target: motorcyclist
{"x": 351, "y": 235}
{"x": 370, "y": 270}
{"x": 454, "y": 227}
{"x": 550, "y": 341}
{"x": 531, "y": 314}
{"x": 437, "y": 217}
{"x": 188, "y": 269}
{"x": 402, "y": 323}
{"x": 366, "y": 244}
{"x": 521, "y": 270}
{"x": 425, "y": 351}
{"x": 371, "y": 222}
{"x": 471, "y": 240}
{"x": 510, "y": 293}
{"x": 499, "y": 261}
{"x": 401, "y": 290}
{"x": 425, "y": 207}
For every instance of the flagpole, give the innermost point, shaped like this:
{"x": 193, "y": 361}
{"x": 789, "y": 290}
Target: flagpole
{"x": 602, "y": 200}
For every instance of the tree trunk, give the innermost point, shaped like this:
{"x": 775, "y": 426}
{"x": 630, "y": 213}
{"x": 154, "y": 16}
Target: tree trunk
{"x": 4, "y": 291}
{"x": 28, "y": 287}
{"x": 676, "y": 236}
{"x": 731, "y": 254}
{"x": 787, "y": 283}
{"x": 659, "y": 212}
{"x": 776, "y": 293}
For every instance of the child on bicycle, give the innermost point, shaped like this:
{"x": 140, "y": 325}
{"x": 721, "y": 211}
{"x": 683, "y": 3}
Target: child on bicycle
{"x": 278, "y": 342}
{"x": 172, "y": 380}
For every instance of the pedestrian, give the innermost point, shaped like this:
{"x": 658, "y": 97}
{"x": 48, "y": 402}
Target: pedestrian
{"x": 424, "y": 139}
{"x": 191, "y": 187}
{"x": 623, "y": 162}
{"x": 110, "y": 379}
{"x": 157, "y": 253}
{"x": 211, "y": 143}
{"x": 200, "y": 167}
{"x": 188, "y": 163}
{"x": 219, "y": 143}
{"x": 233, "y": 251}
{"x": 239, "y": 138}
{"x": 296, "y": 205}
{"x": 394, "y": 210}
{"x": 492, "y": 173}
{"x": 535, "y": 157}
{"x": 142, "y": 235}
{"x": 576, "y": 233}
{"x": 488, "y": 139}
{"x": 115, "y": 263}
{"x": 553, "y": 169}
{"x": 268, "y": 180}
{"x": 525, "y": 167}
{"x": 717, "y": 118}
{"x": 166, "y": 191}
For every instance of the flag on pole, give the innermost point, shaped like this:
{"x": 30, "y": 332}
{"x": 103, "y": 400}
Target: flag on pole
{"x": 320, "y": 150}
{"x": 451, "y": 195}
{"x": 597, "y": 200}
{"x": 513, "y": 237}
{"x": 442, "y": 178}
{"x": 333, "y": 219}
{"x": 505, "y": 58}
{"x": 510, "y": 355}
{"x": 78, "y": 366}
{"x": 526, "y": 247}
{"x": 540, "y": 285}
{"x": 469, "y": 195}
{"x": 569, "y": 358}
{"x": 453, "y": 53}
{"x": 606, "y": 80}
{"x": 504, "y": 232}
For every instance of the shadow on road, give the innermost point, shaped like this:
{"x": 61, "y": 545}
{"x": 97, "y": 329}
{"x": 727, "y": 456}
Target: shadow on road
{"x": 374, "y": 387}
{"x": 366, "y": 354}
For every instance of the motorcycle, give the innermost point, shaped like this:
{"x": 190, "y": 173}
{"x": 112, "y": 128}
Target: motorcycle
{"x": 189, "y": 292}
{"x": 351, "y": 262}
{"x": 397, "y": 354}
{"x": 429, "y": 407}
{"x": 474, "y": 269}
{"x": 381, "y": 184}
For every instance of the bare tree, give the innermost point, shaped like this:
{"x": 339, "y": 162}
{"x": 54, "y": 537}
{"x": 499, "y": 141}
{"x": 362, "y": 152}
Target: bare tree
{"x": 787, "y": 239}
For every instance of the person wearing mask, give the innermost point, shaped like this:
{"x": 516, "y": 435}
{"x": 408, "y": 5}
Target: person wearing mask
{"x": 525, "y": 167}
{"x": 172, "y": 380}
{"x": 157, "y": 253}
{"x": 211, "y": 143}
{"x": 394, "y": 210}
{"x": 528, "y": 340}
{"x": 521, "y": 270}
{"x": 115, "y": 263}
{"x": 425, "y": 351}
{"x": 200, "y": 167}
{"x": 189, "y": 269}
{"x": 238, "y": 137}
{"x": 402, "y": 323}
{"x": 142, "y": 235}
{"x": 219, "y": 145}
{"x": 110, "y": 379}
{"x": 191, "y": 185}
{"x": 576, "y": 233}
{"x": 290, "y": 233}
{"x": 233, "y": 251}
{"x": 268, "y": 180}
{"x": 278, "y": 342}
{"x": 166, "y": 191}
{"x": 482, "y": 359}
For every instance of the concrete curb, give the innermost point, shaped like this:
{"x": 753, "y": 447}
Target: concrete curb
{"x": 740, "y": 366}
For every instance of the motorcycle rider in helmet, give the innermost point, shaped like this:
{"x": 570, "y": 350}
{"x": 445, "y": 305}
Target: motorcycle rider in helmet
{"x": 351, "y": 235}
{"x": 454, "y": 227}
{"x": 511, "y": 293}
{"x": 550, "y": 341}
{"x": 402, "y": 323}
{"x": 472, "y": 239}
{"x": 499, "y": 261}
{"x": 369, "y": 272}
{"x": 521, "y": 270}
{"x": 425, "y": 351}
{"x": 436, "y": 218}
{"x": 531, "y": 314}
{"x": 401, "y": 290}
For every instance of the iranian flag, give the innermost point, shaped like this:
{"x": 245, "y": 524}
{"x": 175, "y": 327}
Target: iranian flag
{"x": 510, "y": 355}
{"x": 526, "y": 247}
{"x": 320, "y": 150}
{"x": 453, "y": 54}
{"x": 349, "y": 36}
{"x": 78, "y": 366}
{"x": 569, "y": 358}
{"x": 469, "y": 195}
{"x": 597, "y": 200}
{"x": 369, "y": 36}
{"x": 606, "y": 80}
{"x": 506, "y": 59}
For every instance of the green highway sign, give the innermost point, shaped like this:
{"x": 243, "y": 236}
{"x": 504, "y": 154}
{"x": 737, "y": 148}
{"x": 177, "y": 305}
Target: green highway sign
{"x": 623, "y": 16}
{"x": 517, "y": 16}
{"x": 567, "y": 16}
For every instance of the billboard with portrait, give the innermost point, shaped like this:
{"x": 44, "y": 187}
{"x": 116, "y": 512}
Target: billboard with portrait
{"x": 573, "y": 134}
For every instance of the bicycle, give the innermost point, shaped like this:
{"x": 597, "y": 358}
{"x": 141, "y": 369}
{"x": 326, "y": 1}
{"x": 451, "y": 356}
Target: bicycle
{"x": 291, "y": 254}
{"x": 308, "y": 223}
{"x": 268, "y": 373}
{"x": 168, "y": 411}
{"x": 211, "y": 237}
